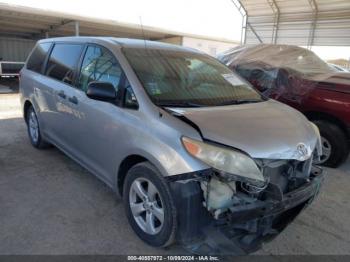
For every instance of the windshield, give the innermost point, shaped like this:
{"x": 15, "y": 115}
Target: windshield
{"x": 304, "y": 61}
{"x": 173, "y": 78}
{"x": 293, "y": 57}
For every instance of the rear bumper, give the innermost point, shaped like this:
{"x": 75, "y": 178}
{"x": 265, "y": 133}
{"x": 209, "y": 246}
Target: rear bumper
{"x": 244, "y": 228}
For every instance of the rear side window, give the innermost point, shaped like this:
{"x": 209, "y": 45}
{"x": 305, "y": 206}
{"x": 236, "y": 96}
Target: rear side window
{"x": 63, "y": 61}
{"x": 37, "y": 58}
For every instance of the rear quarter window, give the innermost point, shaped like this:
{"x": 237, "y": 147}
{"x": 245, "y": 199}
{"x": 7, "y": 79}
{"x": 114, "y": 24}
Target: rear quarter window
{"x": 37, "y": 58}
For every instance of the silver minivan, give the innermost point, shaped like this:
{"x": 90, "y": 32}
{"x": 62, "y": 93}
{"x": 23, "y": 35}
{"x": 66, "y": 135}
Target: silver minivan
{"x": 198, "y": 156}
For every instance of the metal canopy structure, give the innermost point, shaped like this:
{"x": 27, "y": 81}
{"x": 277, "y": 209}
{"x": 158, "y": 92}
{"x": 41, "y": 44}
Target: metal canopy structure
{"x": 297, "y": 22}
{"x": 32, "y": 23}
{"x": 21, "y": 26}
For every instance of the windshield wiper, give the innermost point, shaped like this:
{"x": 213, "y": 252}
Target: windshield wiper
{"x": 240, "y": 101}
{"x": 191, "y": 104}
{"x": 178, "y": 104}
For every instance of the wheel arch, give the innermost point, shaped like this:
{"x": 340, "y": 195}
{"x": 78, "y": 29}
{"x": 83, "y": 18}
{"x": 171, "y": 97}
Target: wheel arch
{"x": 127, "y": 163}
{"x": 314, "y": 115}
{"x": 26, "y": 106}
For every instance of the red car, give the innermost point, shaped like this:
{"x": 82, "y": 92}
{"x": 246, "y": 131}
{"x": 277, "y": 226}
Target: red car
{"x": 299, "y": 78}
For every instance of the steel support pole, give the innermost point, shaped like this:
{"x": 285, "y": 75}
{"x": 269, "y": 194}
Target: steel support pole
{"x": 311, "y": 37}
{"x": 76, "y": 24}
{"x": 245, "y": 23}
{"x": 276, "y": 20}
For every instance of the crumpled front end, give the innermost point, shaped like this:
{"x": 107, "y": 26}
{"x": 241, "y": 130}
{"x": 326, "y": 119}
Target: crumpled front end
{"x": 228, "y": 216}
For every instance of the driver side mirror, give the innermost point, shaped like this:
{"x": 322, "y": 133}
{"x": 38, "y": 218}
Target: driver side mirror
{"x": 103, "y": 91}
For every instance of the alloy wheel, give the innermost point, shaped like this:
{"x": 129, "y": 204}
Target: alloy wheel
{"x": 326, "y": 150}
{"x": 33, "y": 127}
{"x": 146, "y": 206}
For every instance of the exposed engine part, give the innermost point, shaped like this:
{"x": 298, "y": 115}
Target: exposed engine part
{"x": 224, "y": 192}
{"x": 218, "y": 195}
{"x": 255, "y": 188}
{"x": 250, "y": 220}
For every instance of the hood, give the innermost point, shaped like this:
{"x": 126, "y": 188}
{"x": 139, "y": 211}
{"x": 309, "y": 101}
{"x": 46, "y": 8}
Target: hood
{"x": 268, "y": 130}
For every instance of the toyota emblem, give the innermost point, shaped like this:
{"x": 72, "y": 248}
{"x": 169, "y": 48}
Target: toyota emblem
{"x": 302, "y": 150}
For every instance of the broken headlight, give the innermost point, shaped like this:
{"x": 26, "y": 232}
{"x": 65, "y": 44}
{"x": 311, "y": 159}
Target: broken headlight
{"x": 223, "y": 159}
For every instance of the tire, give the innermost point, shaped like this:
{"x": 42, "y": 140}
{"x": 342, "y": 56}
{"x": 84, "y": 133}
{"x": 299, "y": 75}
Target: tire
{"x": 35, "y": 139}
{"x": 335, "y": 139}
{"x": 143, "y": 173}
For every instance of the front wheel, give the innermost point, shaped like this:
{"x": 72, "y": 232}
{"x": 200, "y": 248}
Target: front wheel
{"x": 335, "y": 146}
{"x": 149, "y": 205}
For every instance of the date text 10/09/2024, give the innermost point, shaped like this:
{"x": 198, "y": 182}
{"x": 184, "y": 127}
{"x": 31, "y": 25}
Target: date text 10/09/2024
{"x": 173, "y": 258}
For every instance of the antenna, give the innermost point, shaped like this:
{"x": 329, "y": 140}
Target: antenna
{"x": 143, "y": 32}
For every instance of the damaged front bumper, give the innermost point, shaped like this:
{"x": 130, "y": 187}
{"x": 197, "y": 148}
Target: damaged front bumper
{"x": 243, "y": 228}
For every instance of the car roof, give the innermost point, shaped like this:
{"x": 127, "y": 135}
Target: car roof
{"x": 122, "y": 42}
{"x": 288, "y": 57}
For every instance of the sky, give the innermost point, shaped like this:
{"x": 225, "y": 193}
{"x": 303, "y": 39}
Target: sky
{"x": 216, "y": 18}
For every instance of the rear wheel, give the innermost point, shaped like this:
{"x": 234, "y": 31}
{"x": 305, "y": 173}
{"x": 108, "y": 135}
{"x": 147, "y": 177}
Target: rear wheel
{"x": 33, "y": 128}
{"x": 335, "y": 146}
{"x": 149, "y": 205}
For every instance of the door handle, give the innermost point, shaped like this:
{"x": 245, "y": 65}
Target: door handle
{"x": 73, "y": 99}
{"x": 62, "y": 94}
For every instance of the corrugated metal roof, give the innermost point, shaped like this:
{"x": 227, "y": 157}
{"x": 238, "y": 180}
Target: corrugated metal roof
{"x": 15, "y": 49}
{"x": 298, "y": 22}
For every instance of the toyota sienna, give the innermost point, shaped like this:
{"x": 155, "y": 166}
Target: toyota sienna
{"x": 198, "y": 156}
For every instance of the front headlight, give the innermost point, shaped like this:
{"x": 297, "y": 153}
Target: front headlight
{"x": 223, "y": 159}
